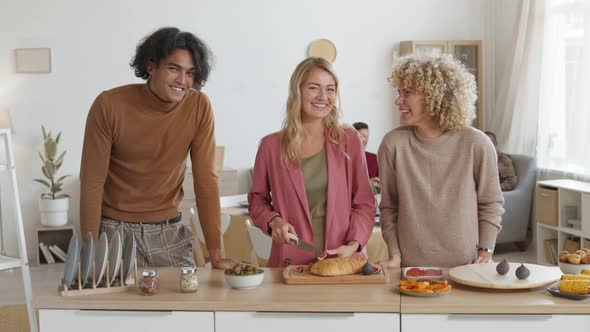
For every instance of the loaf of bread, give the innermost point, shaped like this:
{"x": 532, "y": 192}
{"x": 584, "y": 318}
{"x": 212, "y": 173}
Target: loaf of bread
{"x": 332, "y": 267}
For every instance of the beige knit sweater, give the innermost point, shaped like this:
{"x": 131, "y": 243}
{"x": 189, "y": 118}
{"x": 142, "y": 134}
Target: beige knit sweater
{"x": 440, "y": 197}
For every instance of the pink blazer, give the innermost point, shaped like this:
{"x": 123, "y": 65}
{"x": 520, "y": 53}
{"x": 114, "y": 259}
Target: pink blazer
{"x": 350, "y": 207}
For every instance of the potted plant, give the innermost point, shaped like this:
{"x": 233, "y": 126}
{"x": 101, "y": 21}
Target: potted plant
{"x": 53, "y": 206}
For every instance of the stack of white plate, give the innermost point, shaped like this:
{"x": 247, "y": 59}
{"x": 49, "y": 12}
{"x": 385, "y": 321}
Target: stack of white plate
{"x": 113, "y": 253}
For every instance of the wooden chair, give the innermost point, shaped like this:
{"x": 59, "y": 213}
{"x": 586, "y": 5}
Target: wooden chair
{"x": 198, "y": 255}
{"x": 260, "y": 242}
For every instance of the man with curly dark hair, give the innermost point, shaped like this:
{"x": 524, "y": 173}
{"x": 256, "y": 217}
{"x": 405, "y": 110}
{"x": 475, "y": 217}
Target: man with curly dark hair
{"x": 441, "y": 203}
{"x": 135, "y": 148}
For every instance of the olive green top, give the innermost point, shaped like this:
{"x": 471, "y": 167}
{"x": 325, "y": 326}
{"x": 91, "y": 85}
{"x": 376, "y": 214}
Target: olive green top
{"x": 315, "y": 176}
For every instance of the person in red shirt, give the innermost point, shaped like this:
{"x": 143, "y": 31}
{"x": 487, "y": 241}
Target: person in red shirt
{"x": 372, "y": 164}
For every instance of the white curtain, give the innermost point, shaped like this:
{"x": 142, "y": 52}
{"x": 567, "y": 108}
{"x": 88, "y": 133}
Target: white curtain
{"x": 542, "y": 107}
{"x": 564, "y": 114}
{"x": 515, "y": 117}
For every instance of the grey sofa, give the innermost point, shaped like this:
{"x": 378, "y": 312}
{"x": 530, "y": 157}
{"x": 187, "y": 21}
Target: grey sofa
{"x": 518, "y": 202}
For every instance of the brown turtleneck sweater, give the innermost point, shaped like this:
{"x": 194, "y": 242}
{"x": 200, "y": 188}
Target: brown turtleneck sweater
{"x": 134, "y": 159}
{"x": 439, "y": 197}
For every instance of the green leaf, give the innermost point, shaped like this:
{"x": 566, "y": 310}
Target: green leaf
{"x": 50, "y": 149}
{"x": 43, "y": 182}
{"x": 50, "y": 169}
{"x": 46, "y": 196}
{"x": 57, "y": 138}
{"x": 44, "y": 132}
{"x": 41, "y": 156}
{"x": 61, "y": 178}
{"x": 45, "y": 172}
{"x": 60, "y": 158}
{"x": 63, "y": 196}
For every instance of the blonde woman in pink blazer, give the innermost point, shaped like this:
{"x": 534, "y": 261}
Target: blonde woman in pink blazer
{"x": 310, "y": 179}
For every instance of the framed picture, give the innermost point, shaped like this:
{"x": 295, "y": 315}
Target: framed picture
{"x": 33, "y": 60}
{"x": 219, "y": 156}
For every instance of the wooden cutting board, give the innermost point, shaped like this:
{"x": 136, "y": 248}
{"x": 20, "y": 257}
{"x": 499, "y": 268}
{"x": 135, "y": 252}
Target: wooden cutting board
{"x": 485, "y": 276}
{"x": 292, "y": 276}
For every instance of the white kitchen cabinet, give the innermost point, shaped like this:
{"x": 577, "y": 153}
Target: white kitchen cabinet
{"x": 305, "y": 321}
{"x": 103, "y": 320}
{"x": 493, "y": 323}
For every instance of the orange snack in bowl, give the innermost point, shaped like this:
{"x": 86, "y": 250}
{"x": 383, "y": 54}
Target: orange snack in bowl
{"x": 438, "y": 286}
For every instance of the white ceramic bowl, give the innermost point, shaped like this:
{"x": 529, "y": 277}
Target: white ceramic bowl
{"x": 568, "y": 268}
{"x": 244, "y": 282}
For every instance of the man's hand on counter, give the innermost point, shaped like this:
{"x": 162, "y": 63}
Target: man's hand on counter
{"x": 220, "y": 263}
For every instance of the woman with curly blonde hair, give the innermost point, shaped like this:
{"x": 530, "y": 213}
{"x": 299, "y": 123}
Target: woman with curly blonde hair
{"x": 310, "y": 179}
{"x": 441, "y": 203}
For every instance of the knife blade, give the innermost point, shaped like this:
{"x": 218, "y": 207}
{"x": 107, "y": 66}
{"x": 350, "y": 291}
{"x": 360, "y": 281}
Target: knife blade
{"x": 300, "y": 243}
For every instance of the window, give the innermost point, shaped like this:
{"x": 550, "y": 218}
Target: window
{"x": 564, "y": 111}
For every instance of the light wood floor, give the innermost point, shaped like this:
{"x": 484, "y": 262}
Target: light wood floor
{"x": 13, "y": 318}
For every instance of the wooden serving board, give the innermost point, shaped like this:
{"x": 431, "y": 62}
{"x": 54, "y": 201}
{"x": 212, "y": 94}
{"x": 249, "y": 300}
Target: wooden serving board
{"x": 292, "y": 276}
{"x": 485, "y": 276}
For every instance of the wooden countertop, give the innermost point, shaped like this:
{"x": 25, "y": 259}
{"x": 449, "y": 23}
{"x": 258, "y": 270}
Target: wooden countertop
{"x": 274, "y": 295}
{"x": 215, "y": 295}
{"x": 472, "y": 300}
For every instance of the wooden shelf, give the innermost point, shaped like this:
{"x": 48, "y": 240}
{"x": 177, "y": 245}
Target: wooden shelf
{"x": 59, "y": 236}
{"x": 556, "y": 202}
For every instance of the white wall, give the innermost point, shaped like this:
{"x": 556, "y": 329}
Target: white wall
{"x": 257, "y": 44}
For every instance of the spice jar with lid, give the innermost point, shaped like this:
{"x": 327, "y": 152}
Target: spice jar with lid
{"x": 188, "y": 280}
{"x": 150, "y": 284}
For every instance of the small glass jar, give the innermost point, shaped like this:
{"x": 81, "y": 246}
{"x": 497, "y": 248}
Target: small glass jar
{"x": 188, "y": 280}
{"x": 150, "y": 284}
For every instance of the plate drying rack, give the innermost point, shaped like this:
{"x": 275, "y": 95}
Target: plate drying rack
{"x": 102, "y": 288}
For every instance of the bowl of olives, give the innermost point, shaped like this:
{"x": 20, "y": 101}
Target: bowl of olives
{"x": 244, "y": 276}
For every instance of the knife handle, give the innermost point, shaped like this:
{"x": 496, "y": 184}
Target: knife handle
{"x": 293, "y": 238}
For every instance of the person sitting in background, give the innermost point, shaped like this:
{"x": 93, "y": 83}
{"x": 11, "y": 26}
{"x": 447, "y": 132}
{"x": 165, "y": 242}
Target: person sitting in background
{"x": 372, "y": 164}
{"x": 310, "y": 179}
{"x": 508, "y": 178}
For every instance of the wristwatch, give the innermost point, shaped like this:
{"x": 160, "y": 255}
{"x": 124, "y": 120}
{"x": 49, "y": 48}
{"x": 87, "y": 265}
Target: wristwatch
{"x": 488, "y": 250}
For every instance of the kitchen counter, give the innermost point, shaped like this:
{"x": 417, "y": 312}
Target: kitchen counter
{"x": 217, "y": 308}
{"x": 274, "y": 295}
{"x": 215, "y": 295}
{"x": 471, "y": 300}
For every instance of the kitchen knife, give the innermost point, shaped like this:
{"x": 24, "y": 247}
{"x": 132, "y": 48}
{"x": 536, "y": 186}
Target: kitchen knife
{"x": 300, "y": 243}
